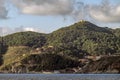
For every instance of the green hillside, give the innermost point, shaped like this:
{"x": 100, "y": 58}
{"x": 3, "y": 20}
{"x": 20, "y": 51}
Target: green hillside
{"x": 117, "y": 32}
{"x": 86, "y": 37}
{"x": 18, "y": 58}
{"x": 31, "y": 39}
{"x": 14, "y": 55}
{"x": 60, "y": 49}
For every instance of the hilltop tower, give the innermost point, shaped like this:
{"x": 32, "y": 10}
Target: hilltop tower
{"x": 82, "y": 21}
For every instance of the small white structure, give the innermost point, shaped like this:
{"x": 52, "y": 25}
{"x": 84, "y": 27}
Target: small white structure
{"x": 82, "y": 21}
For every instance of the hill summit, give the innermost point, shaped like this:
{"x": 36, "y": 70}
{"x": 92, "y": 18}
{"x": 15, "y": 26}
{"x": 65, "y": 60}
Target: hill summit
{"x": 86, "y": 37}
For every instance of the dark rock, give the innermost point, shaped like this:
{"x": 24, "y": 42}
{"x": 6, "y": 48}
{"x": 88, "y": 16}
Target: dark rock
{"x": 107, "y": 64}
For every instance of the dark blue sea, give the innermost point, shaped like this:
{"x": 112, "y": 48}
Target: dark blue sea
{"x": 59, "y": 76}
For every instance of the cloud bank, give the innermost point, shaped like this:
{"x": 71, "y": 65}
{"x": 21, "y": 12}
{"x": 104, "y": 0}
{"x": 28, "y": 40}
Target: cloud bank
{"x": 6, "y": 30}
{"x": 45, "y": 7}
{"x": 3, "y": 10}
{"x": 105, "y": 12}
{"x": 77, "y": 9}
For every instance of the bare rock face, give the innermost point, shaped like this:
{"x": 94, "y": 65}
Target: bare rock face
{"x": 107, "y": 64}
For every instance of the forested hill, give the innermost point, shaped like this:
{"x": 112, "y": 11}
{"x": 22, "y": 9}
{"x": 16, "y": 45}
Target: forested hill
{"x": 117, "y": 32}
{"x": 87, "y": 37}
{"x": 31, "y": 39}
{"x": 60, "y": 49}
{"x": 81, "y": 37}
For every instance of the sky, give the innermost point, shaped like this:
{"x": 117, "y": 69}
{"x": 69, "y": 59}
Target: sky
{"x": 45, "y": 16}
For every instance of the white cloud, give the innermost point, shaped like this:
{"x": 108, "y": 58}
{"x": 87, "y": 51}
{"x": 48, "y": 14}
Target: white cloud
{"x": 29, "y": 29}
{"x": 45, "y": 7}
{"x": 3, "y": 10}
{"x": 19, "y": 29}
{"x": 105, "y": 12}
{"x": 7, "y": 30}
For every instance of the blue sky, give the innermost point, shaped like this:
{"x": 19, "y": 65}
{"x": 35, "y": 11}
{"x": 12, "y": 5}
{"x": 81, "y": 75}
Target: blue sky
{"x": 45, "y": 16}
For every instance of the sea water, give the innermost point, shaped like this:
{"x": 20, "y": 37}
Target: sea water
{"x": 59, "y": 76}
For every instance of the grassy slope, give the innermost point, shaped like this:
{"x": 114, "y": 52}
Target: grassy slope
{"x": 15, "y": 54}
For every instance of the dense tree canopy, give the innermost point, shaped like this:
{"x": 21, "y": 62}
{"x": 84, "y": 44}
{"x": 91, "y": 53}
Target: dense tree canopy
{"x": 49, "y": 62}
{"x": 82, "y": 37}
{"x": 87, "y": 37}
{"x": 31, "y": 39}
